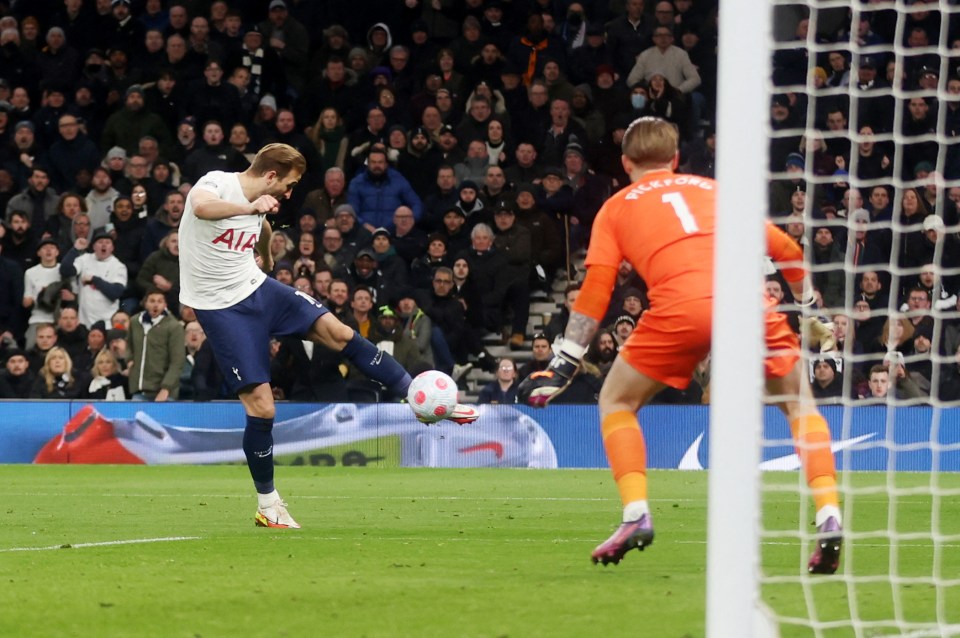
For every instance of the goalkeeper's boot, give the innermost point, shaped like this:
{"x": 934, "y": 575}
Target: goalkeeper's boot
{"x": 464, "y": 414}
{"x": 630, "y": 535}
{"x": 275, "y": 515}
{"x": 826, "y": 556}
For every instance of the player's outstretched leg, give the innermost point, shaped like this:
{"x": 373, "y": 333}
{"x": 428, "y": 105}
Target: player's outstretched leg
{"x": 380, "y": 366}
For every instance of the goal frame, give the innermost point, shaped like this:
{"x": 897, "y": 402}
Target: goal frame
{"x": 736, "y": 410}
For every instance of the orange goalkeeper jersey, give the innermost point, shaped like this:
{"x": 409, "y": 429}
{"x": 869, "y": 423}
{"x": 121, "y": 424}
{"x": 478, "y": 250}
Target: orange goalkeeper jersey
{"x": 664, "y": 225}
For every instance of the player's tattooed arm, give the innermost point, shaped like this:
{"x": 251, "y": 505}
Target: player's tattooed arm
{"x": 580, "y": 329}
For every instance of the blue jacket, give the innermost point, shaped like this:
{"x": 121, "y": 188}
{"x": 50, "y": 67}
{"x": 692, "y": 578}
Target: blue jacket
{"x": 375, "y": 202}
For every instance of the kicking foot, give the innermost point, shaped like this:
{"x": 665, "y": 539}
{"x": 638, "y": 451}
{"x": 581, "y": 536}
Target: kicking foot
{"x": 464, "y": 414}
{"x": 631, "y": 535}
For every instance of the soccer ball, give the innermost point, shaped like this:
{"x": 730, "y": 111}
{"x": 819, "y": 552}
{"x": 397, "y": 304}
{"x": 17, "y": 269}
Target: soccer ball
{"x": 432, "y": 395}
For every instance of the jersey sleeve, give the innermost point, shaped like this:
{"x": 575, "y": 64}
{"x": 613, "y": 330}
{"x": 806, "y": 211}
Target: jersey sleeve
{"x": 604, "y": 247}
{"x": 786, "y": 253}
{"x": 210, "y": 183}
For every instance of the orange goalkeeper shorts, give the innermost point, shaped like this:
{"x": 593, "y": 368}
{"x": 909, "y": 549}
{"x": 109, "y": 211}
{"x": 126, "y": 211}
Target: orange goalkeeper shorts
{"x": 783, "y": 346}
{"x": 668, "y": 343}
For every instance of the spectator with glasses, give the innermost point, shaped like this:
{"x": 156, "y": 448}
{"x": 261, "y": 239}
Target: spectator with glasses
{"x": 503, "y": 389}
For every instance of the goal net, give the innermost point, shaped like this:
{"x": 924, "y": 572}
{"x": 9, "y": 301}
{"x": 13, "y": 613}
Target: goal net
{"x": 861, "y": 118}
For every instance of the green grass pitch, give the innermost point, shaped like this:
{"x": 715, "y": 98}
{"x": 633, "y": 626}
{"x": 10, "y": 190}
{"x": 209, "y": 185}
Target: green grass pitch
{"x": 414, "y": 552}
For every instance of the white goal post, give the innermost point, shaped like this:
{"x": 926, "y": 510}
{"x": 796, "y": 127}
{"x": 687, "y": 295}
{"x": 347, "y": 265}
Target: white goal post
{"x": 737, "y": 374}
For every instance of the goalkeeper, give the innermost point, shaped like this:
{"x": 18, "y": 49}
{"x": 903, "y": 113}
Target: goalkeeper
{"x": 663, "y": 224}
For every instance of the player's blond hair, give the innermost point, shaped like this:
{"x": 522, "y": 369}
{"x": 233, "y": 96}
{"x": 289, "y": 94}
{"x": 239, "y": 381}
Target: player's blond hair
{"x": 281, "y": 158}
{"x": 650, "y": 141}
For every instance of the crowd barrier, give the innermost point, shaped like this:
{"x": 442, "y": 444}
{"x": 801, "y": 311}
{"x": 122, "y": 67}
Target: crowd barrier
{"x": 865, "y": 438}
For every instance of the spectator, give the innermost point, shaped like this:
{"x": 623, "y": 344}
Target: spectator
{"x": 286, "y": 36}
{"x": 101, "y": 197}
{"x": 827, "y": 383}
{"x": 559, "y": 133}
{"x": 46, "y": 339}
{"x": 602, "y": 352}
{"x": 41, "y": 288}
{"x": 394, "y": 268}
{"x": 16, "y": 379}
{"x": 541, "y": 354}
{"x": 108, "y": 382}
{"x": 441, "y": 199}
{"x": 379, "y": 190}
{"x": 161, "y": 269}
{"x": 125, "y": 127}
{"x": 416, "y": 325}
{"x": 57, "y": 379}
{"x": 499, "y": 288}
{"x": 354, "y": 235}
{"x": 96, "y": 341}
{"x": 100, "y": 277}
{"x": 453, "y": 339}
{"x": 157, "y": 350}
{"x": 38, "y": 200}
{"x": 71, "y": 335}
{"x": 408, "y": 241}
{"x": 420, "y": 161}
{"x": 503, "y": 389}
{"x": 71, "y": 154}
{"x": 390, "y": 337}
{"x": 558, "y": 320}
{"x": 629, "y": 35}
{"x": 167, "y": 218}
{"x": 531, "y": 50}
{"x": 19, "y": 240}
{"x": 214, "y": 155}
{"x": 323, "y": 201}
{"x": 623, "y": 327}
{"x": 210, "y": 98}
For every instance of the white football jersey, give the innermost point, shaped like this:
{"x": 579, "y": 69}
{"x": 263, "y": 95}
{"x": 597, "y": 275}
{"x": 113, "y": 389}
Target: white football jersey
{"x": 217, "y": 266}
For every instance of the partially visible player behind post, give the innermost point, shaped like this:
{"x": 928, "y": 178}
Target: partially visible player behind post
{"x": 224, "y": 253}
{"x": 663, "y": 224}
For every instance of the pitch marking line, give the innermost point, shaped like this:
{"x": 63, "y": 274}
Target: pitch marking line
{"x": 132, "y": 541}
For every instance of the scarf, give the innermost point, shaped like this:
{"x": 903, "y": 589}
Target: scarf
{"x": 532, "y": 62}
{"x": 254, "y": 62}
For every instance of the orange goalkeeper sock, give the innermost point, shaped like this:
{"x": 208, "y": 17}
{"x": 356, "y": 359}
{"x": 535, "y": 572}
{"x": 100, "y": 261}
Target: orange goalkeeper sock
{"x": 627, "y": 454}
{"x": 812, "y": 437}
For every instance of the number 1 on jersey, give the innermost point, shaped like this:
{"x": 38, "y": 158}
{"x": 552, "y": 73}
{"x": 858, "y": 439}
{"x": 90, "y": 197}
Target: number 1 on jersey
{"x": 682, "y": 211}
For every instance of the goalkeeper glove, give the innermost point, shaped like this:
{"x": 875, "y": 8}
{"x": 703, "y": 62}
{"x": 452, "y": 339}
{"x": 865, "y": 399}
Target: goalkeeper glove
{"x": 540, "y": 388}
{"x": 818, "y": 333}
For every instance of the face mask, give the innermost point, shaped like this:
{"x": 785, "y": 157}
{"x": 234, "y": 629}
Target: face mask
{"x": 638, "y": 100}
{"x": 93, "y": 69}
{"x": 575, "y": 19}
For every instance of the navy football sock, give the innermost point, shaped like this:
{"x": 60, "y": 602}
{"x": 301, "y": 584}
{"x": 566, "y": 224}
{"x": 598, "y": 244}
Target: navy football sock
{"x": 258, "y": 446}
{"x": 377, "y": 365}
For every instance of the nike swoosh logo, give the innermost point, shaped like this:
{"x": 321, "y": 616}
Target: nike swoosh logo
{"x": 497, "y": 448}
{"x": 792, "y": 461}
{"x": 691, "y": 458}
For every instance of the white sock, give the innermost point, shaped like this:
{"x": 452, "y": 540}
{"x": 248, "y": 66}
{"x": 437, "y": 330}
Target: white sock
{"x": 634, "y": 510}
{"x": 826, "y": 512}
{"x": 266, "y": 500}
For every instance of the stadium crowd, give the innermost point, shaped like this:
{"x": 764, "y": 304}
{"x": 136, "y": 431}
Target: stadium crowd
{"x": 457, "y": 153}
